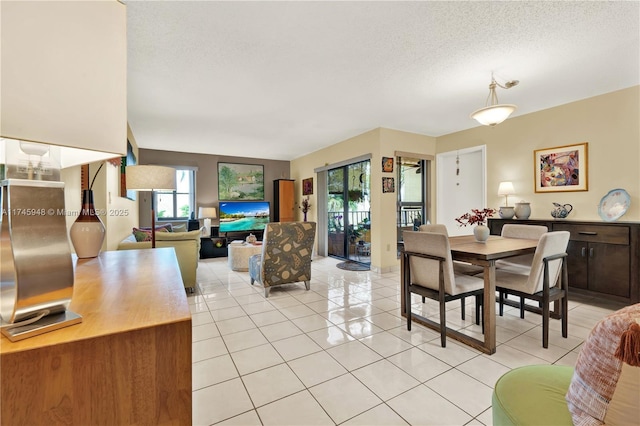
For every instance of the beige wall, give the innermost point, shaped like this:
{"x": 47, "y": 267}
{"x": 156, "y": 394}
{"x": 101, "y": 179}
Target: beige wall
{"x": 378, "y": 142}
{"x": 609, "y": 123}
{"x": 207, "y": 176}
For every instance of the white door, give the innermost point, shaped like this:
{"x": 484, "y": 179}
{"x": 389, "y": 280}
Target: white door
{"x": 461, "y": 186}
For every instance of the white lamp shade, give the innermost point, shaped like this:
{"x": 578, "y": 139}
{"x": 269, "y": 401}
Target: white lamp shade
{"x": 506, "y": 188}
{"x": 151, "y": 178}
{"x": 207, "y": 212}
{"x": 494, "y": 114}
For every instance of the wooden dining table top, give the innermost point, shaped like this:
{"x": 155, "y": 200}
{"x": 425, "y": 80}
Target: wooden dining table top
{"x": 496, "y": 247}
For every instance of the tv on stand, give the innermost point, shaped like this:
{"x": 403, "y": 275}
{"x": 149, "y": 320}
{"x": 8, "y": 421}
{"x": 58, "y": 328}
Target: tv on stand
{"x": 240, "y": 218}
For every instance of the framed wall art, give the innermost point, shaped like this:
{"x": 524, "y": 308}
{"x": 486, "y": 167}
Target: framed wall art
{"x": 307, "y": 186}
{"x": 561, "y": 169}
{"x": 387, "y": 164}
{"x": 240, "y": 182}
{"x": 388, "y": 184}
{"x": 129, "y": 160}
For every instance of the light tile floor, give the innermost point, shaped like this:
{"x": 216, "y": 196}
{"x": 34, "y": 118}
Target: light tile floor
{"x": 340, "y": 353}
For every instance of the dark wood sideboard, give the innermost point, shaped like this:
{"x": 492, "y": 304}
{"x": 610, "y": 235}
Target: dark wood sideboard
{"x": 604, "y": 257}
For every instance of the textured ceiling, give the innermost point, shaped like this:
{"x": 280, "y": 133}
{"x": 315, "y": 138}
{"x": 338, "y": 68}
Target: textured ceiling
{"x": 279, "y": 80}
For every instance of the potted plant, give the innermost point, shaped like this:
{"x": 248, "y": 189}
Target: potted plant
{"x": 477, "y": 217}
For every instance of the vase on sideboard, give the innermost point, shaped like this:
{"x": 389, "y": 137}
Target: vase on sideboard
{"x": 523, "y": 210}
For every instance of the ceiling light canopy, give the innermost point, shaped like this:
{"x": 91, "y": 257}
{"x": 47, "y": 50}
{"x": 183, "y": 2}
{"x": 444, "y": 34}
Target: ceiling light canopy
{"x": 494, "y": 113}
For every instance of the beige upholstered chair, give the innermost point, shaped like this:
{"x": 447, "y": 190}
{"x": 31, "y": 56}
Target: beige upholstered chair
{"x": 518, "y": 264}
{"x": 428, "y": 271}
{"x": 286, "y": 255}
{"x": 546, "y": 282}
{"x": 463, "y": 268}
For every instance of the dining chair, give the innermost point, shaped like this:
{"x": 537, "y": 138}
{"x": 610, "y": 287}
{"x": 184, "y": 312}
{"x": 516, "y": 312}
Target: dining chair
{"x": 518, "y": 264}
{"x": 463, "y": 268}
{"x": 546, "y": 282}
{"x": 428, "y": 271}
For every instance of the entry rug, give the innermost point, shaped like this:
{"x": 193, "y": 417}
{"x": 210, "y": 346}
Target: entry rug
{"x": 353, "y": 266}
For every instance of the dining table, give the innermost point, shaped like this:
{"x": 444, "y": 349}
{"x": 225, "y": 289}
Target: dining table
{"x": 467, "y": 249}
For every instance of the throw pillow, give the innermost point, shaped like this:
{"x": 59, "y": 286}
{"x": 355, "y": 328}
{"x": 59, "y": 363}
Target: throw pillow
{"x": 143, "y": 234}
{"x": 159, "y": 228}
{"x": 179, "y": 228}
{"x": 616, "y": 338}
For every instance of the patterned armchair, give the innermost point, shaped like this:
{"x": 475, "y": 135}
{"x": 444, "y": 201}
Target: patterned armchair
{"x": 286, "y": 255}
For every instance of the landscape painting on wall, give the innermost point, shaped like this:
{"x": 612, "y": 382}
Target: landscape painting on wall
{"x": 240, "y": 182}
{"x": 561, "y": 169}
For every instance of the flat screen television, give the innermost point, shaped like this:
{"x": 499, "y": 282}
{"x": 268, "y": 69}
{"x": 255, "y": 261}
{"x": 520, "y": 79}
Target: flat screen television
{"x": 243, "y": 216}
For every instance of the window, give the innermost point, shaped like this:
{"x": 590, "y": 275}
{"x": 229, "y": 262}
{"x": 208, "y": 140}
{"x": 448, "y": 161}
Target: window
{"x": 178, "y": 204}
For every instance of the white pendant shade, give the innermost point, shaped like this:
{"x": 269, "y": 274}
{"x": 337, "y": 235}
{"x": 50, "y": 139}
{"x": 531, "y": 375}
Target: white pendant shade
{"x": 494, "y": 114}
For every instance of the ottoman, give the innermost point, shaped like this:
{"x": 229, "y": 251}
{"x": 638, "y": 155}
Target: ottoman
{"x": 532, "y": 395}
{"x": 239, "y": 254}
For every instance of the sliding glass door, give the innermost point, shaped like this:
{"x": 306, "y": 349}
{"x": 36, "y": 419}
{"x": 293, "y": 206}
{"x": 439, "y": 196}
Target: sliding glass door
{"x": 349, "y": 212}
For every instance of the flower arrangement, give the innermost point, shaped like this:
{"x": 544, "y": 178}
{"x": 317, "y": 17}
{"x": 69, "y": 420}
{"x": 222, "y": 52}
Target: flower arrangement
{"x": 305, "y": 205}
{"x": 476, "y": 217}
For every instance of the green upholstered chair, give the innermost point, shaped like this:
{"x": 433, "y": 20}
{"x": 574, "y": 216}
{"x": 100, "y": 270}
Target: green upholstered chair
{"x": 532, "y": 395}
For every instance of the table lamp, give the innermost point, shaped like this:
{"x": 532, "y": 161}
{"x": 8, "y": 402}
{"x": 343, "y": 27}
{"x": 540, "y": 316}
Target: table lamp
{"x": 151, "y": 178}
{"x": 207, "y": 213}
{"x": 506, "y": 189}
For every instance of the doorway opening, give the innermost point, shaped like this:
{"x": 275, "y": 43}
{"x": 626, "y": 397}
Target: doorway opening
{"x": 349, "y": 212}
{"x": 413, "y": 193}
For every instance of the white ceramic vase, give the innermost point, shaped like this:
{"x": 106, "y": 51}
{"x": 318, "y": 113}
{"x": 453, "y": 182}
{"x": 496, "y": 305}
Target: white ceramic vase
{"x": 523, "y": 210}
{"x": 87, "y": 232}
{"x": 481, "y": 232}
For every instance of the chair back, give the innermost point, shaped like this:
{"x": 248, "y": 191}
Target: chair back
{"x": 551, "y": 243}
{"x": 426, "y": 272}
{"x": 434, "y": 227}
{"x": 528, "y": 232}
{"x": 287, "y": 248}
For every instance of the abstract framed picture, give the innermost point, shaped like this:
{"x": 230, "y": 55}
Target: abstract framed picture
{"x": 387, "y": 164}
{"x": 388, "y": 184}
{"x": 240, "y": 182}
{"x": 561, "y": 169}
{"x": 307, "y": 186}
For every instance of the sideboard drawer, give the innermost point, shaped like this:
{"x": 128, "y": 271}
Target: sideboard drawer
{"x": 595, "y": 233}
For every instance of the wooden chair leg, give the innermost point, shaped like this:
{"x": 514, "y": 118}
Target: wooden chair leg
{"x": 462, "y": 304}
{"x": 565, "y": 316}
{"x": 407, "y": 304}
{"x": 501, "y": 302}
{"x": 423, "y": 299}
{"x": 545, "y": 325}
{"x": 478, "y": 304}
{"x": 443, "y": 322}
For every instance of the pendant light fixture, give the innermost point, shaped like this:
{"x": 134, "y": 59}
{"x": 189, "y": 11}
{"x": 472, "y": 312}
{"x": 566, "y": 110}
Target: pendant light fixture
{"x": 494, "y": 113}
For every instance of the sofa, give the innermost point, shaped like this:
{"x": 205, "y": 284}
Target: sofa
{"x": 186, "y": 245}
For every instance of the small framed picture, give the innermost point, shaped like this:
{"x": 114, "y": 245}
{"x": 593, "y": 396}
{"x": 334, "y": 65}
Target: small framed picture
{"x": 388, "y": 184}
{"x": 561, "y": 169}
{"x": 387, "y": 164}
{"x": 307, "y": 186}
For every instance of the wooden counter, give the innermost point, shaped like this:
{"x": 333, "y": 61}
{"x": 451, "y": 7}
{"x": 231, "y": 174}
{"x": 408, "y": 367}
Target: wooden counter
{"x": 129, "y": 361}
